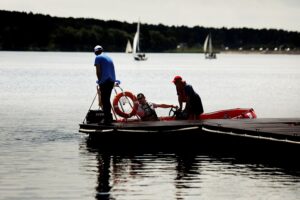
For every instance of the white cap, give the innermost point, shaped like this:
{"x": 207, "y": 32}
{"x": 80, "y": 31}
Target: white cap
{"x": 97, "y": 48}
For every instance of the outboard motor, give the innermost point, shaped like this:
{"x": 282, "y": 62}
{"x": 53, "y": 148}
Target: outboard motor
{"x": 94, "y": 116}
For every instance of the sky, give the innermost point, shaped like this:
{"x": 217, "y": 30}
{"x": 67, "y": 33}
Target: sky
{"x": 258, "y": 14}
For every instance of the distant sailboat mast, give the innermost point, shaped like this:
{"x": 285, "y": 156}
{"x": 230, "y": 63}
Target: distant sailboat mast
{"x": 210, "y": 47}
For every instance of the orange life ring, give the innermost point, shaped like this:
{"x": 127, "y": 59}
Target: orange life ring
{"x": 134, "y": 107}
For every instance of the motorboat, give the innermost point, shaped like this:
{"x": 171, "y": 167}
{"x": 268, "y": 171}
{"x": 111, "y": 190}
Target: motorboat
{"x": 92, "y": 123}
{"x": 126, "y": 121}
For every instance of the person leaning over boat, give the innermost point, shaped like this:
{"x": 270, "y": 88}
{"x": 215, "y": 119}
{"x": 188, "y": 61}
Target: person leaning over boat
{"x": 105, "y": 72}
{"x": 180, "y": 84}
{"x": 193, "y": 108}
{"x": 146, "y": 110}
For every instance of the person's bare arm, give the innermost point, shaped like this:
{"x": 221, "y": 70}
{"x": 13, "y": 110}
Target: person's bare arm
{"x": 180, "y": 102}
{"x": 165, "y": 106}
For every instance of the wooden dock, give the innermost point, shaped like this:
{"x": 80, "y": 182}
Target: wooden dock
{"x": 272, "y": 136}
{"x": 268, "y": 141}
{"x": 285, "y": 130}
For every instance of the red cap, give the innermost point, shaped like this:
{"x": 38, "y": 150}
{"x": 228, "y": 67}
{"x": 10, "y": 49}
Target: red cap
{"x": 177, "y": 78}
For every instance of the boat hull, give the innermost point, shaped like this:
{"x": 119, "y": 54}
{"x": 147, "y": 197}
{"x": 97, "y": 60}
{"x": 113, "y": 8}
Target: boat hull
{"x": 210, "y": 56}
{"x": 236, "y": 113}
{"x": 140, "y": 57}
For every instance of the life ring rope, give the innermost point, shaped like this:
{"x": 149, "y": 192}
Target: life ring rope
{"x": 117, "y": 105}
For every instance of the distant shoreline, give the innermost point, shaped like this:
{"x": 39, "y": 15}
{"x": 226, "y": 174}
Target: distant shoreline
{"x": 261, "y": 52}
{"x": 38, "y": 32}
{"x": 242, "y": 52}
{"x": 173, "y": 52}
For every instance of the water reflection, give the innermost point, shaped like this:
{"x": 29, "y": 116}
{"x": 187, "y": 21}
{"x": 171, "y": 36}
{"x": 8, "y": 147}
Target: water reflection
{"x": 103, "y": 187}
{"x": 186, "y": 174}
{"x": 192, "y": 175}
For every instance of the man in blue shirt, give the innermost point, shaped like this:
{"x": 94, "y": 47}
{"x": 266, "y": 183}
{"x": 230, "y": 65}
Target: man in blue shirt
{"x": 105, "y": 72}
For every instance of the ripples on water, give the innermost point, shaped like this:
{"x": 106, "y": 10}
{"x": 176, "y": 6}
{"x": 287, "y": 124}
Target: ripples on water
{"x": 191, "y": 175}
{"x": 44, "y": 96}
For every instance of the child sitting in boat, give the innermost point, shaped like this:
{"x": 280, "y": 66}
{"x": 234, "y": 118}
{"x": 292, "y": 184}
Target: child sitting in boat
{"x": 146, "y": 110}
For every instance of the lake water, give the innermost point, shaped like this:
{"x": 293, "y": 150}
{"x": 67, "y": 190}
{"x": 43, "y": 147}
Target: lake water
{"x": 45, "y": 95}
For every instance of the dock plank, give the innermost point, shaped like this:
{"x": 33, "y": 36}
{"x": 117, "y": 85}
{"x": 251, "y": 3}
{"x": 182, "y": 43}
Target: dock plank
{"x": 279, "y": 128}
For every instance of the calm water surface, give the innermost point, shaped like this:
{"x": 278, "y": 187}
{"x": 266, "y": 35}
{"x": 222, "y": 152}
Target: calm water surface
{"x": 43, "y": 97}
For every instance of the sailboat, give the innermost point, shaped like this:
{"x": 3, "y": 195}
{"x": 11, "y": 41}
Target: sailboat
{"x": 208, "y": 48}
{"x": 137, "y": 54}
{"x": 128, "y": 47}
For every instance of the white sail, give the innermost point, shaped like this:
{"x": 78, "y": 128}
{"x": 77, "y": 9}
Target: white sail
{"x": 128, "y": 47}
{"x": 205, "y": 44}
{"x": 136, "y": 39}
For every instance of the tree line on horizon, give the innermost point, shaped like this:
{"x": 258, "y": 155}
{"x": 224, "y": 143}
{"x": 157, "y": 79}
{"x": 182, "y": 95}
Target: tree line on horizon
{"x": 38, "y": 32}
